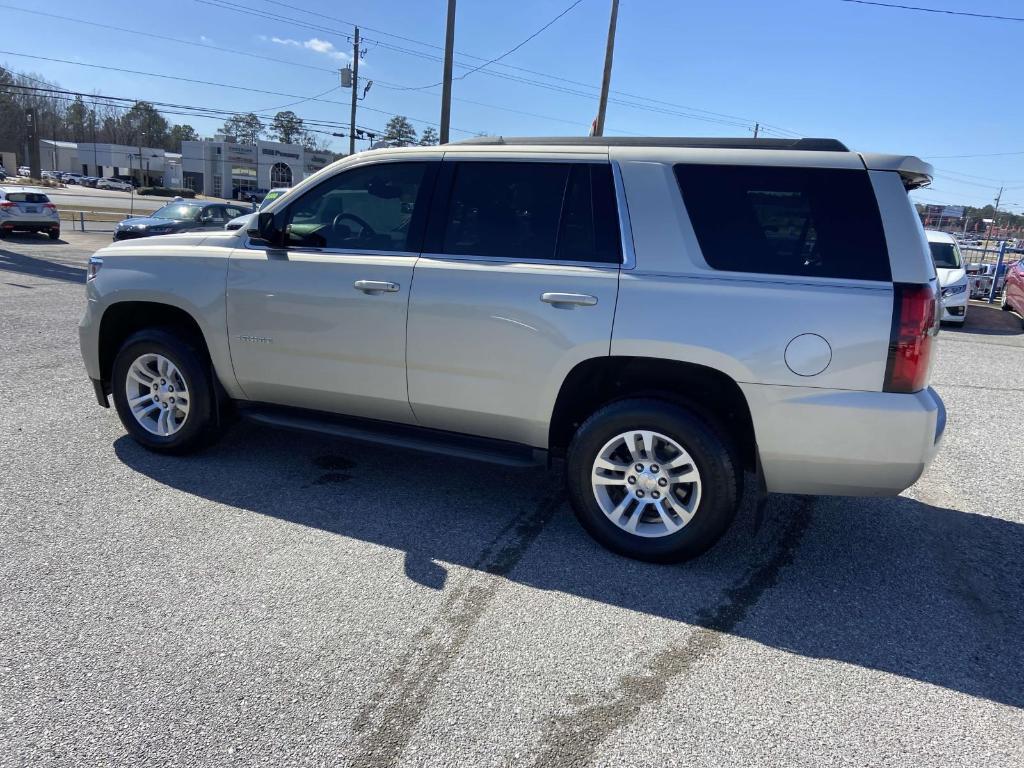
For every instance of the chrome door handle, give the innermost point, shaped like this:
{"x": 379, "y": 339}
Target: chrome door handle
{"x": 374, "y": 287}
{"x": 568, "y": 300}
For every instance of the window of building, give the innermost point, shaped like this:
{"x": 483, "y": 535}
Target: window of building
{"x": 529, "y": 211}
{"x": 367, "y": 208}
{"x": 218, "y": 184}
{"x": 812, "y": 222}
{"x": 280, "y": 175}
{"x": 243, "y": 171}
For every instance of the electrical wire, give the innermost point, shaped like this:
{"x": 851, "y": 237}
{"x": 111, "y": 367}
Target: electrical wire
{"x": 496, "y": 59}
{"x": 214, "y": 84}
{"x": 635, "y": 101}
{"x": 934, "y": 10}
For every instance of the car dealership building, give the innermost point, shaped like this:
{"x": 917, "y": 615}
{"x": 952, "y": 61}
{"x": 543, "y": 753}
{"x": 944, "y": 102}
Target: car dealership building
{"x": 221, "y": 167}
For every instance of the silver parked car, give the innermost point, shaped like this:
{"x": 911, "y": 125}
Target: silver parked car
{"x": 26, "y": 210}
{"x": 661, "y": 313}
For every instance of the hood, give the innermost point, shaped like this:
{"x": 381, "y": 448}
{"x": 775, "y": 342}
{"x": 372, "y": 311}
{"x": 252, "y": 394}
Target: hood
{"x": 240, "y": 222}
{"x": 950, "y": 276}
{"x": 148, "y": 221}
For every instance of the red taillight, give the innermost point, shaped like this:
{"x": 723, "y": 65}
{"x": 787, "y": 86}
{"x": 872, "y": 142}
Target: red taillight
{"x": 915, "y": 322}
{"x": 50, "y": 206}
{"x": 6, "y": 204}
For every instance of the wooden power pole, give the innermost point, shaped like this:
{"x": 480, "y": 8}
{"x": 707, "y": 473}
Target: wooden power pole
{"x": 355, "y": 89}
{"x": 446, "y": 85}
{"x": 606, "y": 79}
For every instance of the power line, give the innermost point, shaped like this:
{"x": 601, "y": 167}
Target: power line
{"x": 169, "y": 108}
{"x": 984, "y": 154}
{"x": 509, "y": 52}
{"x": 210, "y": 83}
{"x": 935, "y": 10}
{"x": 181, "y": 41}
{"x": 638, "y": 102}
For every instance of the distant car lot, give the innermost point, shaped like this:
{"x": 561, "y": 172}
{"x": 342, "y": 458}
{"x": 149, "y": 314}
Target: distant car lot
{"x": 288, "y": 599}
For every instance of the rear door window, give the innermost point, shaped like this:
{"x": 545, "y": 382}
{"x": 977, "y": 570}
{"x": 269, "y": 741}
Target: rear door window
{"x": 528, "y": 211}
{"x": 808, "y": 222}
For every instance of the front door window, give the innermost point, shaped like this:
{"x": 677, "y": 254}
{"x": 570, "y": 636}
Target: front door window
{"x": 367, "y": 209}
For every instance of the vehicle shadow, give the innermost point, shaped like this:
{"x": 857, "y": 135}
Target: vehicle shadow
{"x": 30, "y": 265}
{"x": 890, "y": 584}
{"x": 987, "y": 320}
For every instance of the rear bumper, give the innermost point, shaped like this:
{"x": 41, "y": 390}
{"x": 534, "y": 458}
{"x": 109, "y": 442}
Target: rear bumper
{"x": 847, "y": 443}
{"x": 30, "y": 225}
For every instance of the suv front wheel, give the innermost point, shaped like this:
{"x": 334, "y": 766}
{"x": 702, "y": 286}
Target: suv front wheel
{"x": 163, "y": 392}
{"x": 650, "y": 480}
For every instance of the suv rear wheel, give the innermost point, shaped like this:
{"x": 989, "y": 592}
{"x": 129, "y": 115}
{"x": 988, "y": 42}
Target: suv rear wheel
{"x": 652, "y": 481}
{"x": 163, "y": 392}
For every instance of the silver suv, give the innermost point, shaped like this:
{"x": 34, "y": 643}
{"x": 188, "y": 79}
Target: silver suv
{"x": 662, "y": 314}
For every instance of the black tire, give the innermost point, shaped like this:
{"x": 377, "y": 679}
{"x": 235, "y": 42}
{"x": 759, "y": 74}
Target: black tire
{"x": 713, "y": 455}
{"x": 200, "y": 426}
{"x": 54, "y": 235}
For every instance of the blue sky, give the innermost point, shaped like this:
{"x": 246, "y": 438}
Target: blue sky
{"x": 879, "y": 79}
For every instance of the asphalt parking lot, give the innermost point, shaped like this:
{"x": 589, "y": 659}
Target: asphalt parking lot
{"x": 287, "y": 599}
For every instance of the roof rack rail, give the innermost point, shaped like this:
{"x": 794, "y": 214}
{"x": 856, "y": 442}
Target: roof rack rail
{"x": 808, "y": 144}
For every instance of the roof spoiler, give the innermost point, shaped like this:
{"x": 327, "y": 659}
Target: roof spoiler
{"x": 914, "y": 171}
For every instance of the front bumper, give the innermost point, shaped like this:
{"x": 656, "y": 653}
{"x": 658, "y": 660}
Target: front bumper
{"x": 954, "y": 307}
{"x": 840, "y": 442}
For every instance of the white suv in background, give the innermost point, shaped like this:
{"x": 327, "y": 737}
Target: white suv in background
{"x": 949, "y": 266}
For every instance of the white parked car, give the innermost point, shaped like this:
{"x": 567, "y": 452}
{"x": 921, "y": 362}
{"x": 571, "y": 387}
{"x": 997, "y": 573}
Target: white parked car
{"x": 27, "y": 210}
{"x": 949, "y": 266}
{"x": 122, "y": 186}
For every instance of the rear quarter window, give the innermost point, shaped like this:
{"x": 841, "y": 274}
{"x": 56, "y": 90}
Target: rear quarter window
{"x": 807, "y": 222}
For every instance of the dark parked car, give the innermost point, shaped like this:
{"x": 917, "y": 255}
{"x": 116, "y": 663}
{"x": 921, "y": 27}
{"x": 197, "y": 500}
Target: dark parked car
{"x": 185, "y": 216}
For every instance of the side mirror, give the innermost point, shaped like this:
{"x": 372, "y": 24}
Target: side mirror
{"x": 264, "y": 227}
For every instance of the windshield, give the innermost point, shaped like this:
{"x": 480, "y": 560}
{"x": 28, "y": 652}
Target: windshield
{"x": 945, "y": 255}
{"x": 177, "y": 211}
{"x": 271, "y": 197}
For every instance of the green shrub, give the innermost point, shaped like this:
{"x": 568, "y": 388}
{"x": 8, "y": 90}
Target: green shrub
{"x": 166, "y": 192}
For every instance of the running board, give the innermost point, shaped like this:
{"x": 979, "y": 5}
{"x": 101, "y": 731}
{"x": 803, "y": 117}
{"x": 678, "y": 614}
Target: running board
{"x": 397, "y": 435}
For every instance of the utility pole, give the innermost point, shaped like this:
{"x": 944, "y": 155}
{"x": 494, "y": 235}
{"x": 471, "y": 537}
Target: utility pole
{"x": 757, "y": 129}
{"x": 446, "y": 83}
{"x": 995, "y": 220}
{"x": 606, "y": 78}
{"x": 355, "y": 88}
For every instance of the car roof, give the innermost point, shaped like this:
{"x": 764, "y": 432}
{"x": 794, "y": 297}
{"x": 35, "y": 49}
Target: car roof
{"x": 935, "y": 236}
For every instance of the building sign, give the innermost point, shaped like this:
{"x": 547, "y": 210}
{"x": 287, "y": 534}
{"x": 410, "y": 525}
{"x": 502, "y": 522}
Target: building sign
{"x": 279, "y": 153}
{"x": 240, "y": 153}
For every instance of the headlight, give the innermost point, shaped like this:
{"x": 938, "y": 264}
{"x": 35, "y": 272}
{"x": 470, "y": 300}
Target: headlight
{"x": 953, "y": 290}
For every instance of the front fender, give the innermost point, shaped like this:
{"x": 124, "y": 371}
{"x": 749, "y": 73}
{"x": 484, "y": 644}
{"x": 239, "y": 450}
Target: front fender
{"x": 186, "y": 276}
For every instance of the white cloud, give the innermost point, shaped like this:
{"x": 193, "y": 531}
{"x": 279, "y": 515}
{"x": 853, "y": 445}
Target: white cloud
{"x": 205, "y": 39}
{"x": 314, "y": 44}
